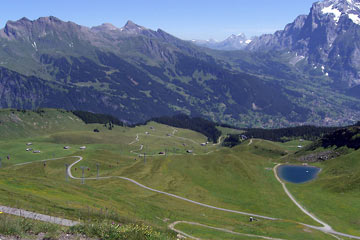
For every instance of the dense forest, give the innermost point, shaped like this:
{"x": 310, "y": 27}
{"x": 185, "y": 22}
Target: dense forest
{"x": 285, "y": 134}
{"x": 89, "y": 117}
{"x": 349, "y": 137}
{"x": 197, "y": 124}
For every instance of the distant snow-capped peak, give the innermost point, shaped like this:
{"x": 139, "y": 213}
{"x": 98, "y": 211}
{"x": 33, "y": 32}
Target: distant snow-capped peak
{"x": 233, "y": 42}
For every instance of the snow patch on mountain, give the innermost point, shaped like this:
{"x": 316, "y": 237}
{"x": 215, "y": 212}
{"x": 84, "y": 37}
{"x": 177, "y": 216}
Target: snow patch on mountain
{"x": 34, "y": 46}
{"x": 355, "y": 18}
{"x": 331, "y": 10}
{"x": 338, "y": 8}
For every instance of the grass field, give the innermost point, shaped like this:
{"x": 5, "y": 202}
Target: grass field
{"x": 225, "y": 131}
{"x": 240, "y": 178}
{"x": 206, "y": 233}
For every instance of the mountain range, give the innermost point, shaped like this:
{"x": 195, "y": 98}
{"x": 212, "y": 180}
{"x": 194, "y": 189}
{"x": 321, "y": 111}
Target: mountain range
{"x": 292, "y": 77}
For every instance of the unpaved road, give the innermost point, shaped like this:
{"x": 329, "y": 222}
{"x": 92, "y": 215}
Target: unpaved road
{"x": 136, "y": 139}
{"x": 165, "y": 193}
{"x": 326, "y": 228}
{"x": 218, "y": 142}
{"x": 38, "y": 216}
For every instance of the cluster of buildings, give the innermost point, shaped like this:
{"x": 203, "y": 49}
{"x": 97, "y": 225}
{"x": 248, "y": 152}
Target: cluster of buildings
{"x": 29, "y": 149}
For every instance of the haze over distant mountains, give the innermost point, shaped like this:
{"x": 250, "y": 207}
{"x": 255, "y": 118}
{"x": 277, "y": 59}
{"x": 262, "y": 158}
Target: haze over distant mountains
{"x": 306, "y": 73}
{"x": 234, "y": 42}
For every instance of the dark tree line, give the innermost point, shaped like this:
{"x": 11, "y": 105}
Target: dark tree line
{"x": 349, "y": 137}
{"x": 285, "y": 134}
{"x": 197, "y": 124}
{"x": 89, "y": 117}
{"x": 311, "y": 133}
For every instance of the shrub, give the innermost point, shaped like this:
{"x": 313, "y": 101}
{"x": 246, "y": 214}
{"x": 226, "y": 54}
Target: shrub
{"x": 16, "y": 226}
{"x": 116, "y": 231}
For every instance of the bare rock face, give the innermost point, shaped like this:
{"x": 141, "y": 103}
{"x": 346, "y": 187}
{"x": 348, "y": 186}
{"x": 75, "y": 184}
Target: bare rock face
{"x": 25, "y": 29}
{"x": 328, "y": 37}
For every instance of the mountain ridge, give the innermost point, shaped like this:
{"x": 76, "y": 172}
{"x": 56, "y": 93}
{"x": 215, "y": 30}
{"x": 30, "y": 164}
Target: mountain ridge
{"x": 138, "y": 73}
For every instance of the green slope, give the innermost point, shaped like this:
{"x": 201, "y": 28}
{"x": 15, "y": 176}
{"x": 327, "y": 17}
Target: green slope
{"x": 240, "y": 178}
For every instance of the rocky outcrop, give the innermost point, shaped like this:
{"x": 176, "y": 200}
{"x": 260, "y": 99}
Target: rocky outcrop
{"x": 319, "y": 157}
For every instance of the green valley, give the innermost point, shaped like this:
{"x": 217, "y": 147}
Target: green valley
{"x": 136, "y": 73}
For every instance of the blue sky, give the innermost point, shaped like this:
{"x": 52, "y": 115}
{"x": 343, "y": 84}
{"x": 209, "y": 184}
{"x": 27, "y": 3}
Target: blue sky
{"x": 187, "y": 19}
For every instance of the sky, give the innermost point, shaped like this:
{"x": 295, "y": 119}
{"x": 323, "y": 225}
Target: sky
{"x": 186, "y": 19}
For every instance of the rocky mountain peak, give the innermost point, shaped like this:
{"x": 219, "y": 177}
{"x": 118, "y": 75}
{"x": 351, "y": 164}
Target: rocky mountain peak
{"x": 15, "y": 29}
{"x": 132, "y": 28}
{"x": 130, "y": 25}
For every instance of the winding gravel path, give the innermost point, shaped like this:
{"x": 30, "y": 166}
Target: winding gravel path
{"x": 218, "y": 142}
{"x": 38, "y": 216}
{"x": 326, "y": 228}
{"x": 165, "y": 193}
{"x": 136, "y": 139}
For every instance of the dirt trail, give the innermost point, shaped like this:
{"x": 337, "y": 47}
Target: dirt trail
{"x": 326, "y": 228}
{"x": 38, "y": 216}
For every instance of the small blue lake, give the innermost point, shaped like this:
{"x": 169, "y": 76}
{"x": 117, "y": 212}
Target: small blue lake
{"x": 297, "y": 174}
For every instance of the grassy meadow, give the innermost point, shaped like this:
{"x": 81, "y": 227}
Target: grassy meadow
{"x": 240, "y": 178}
